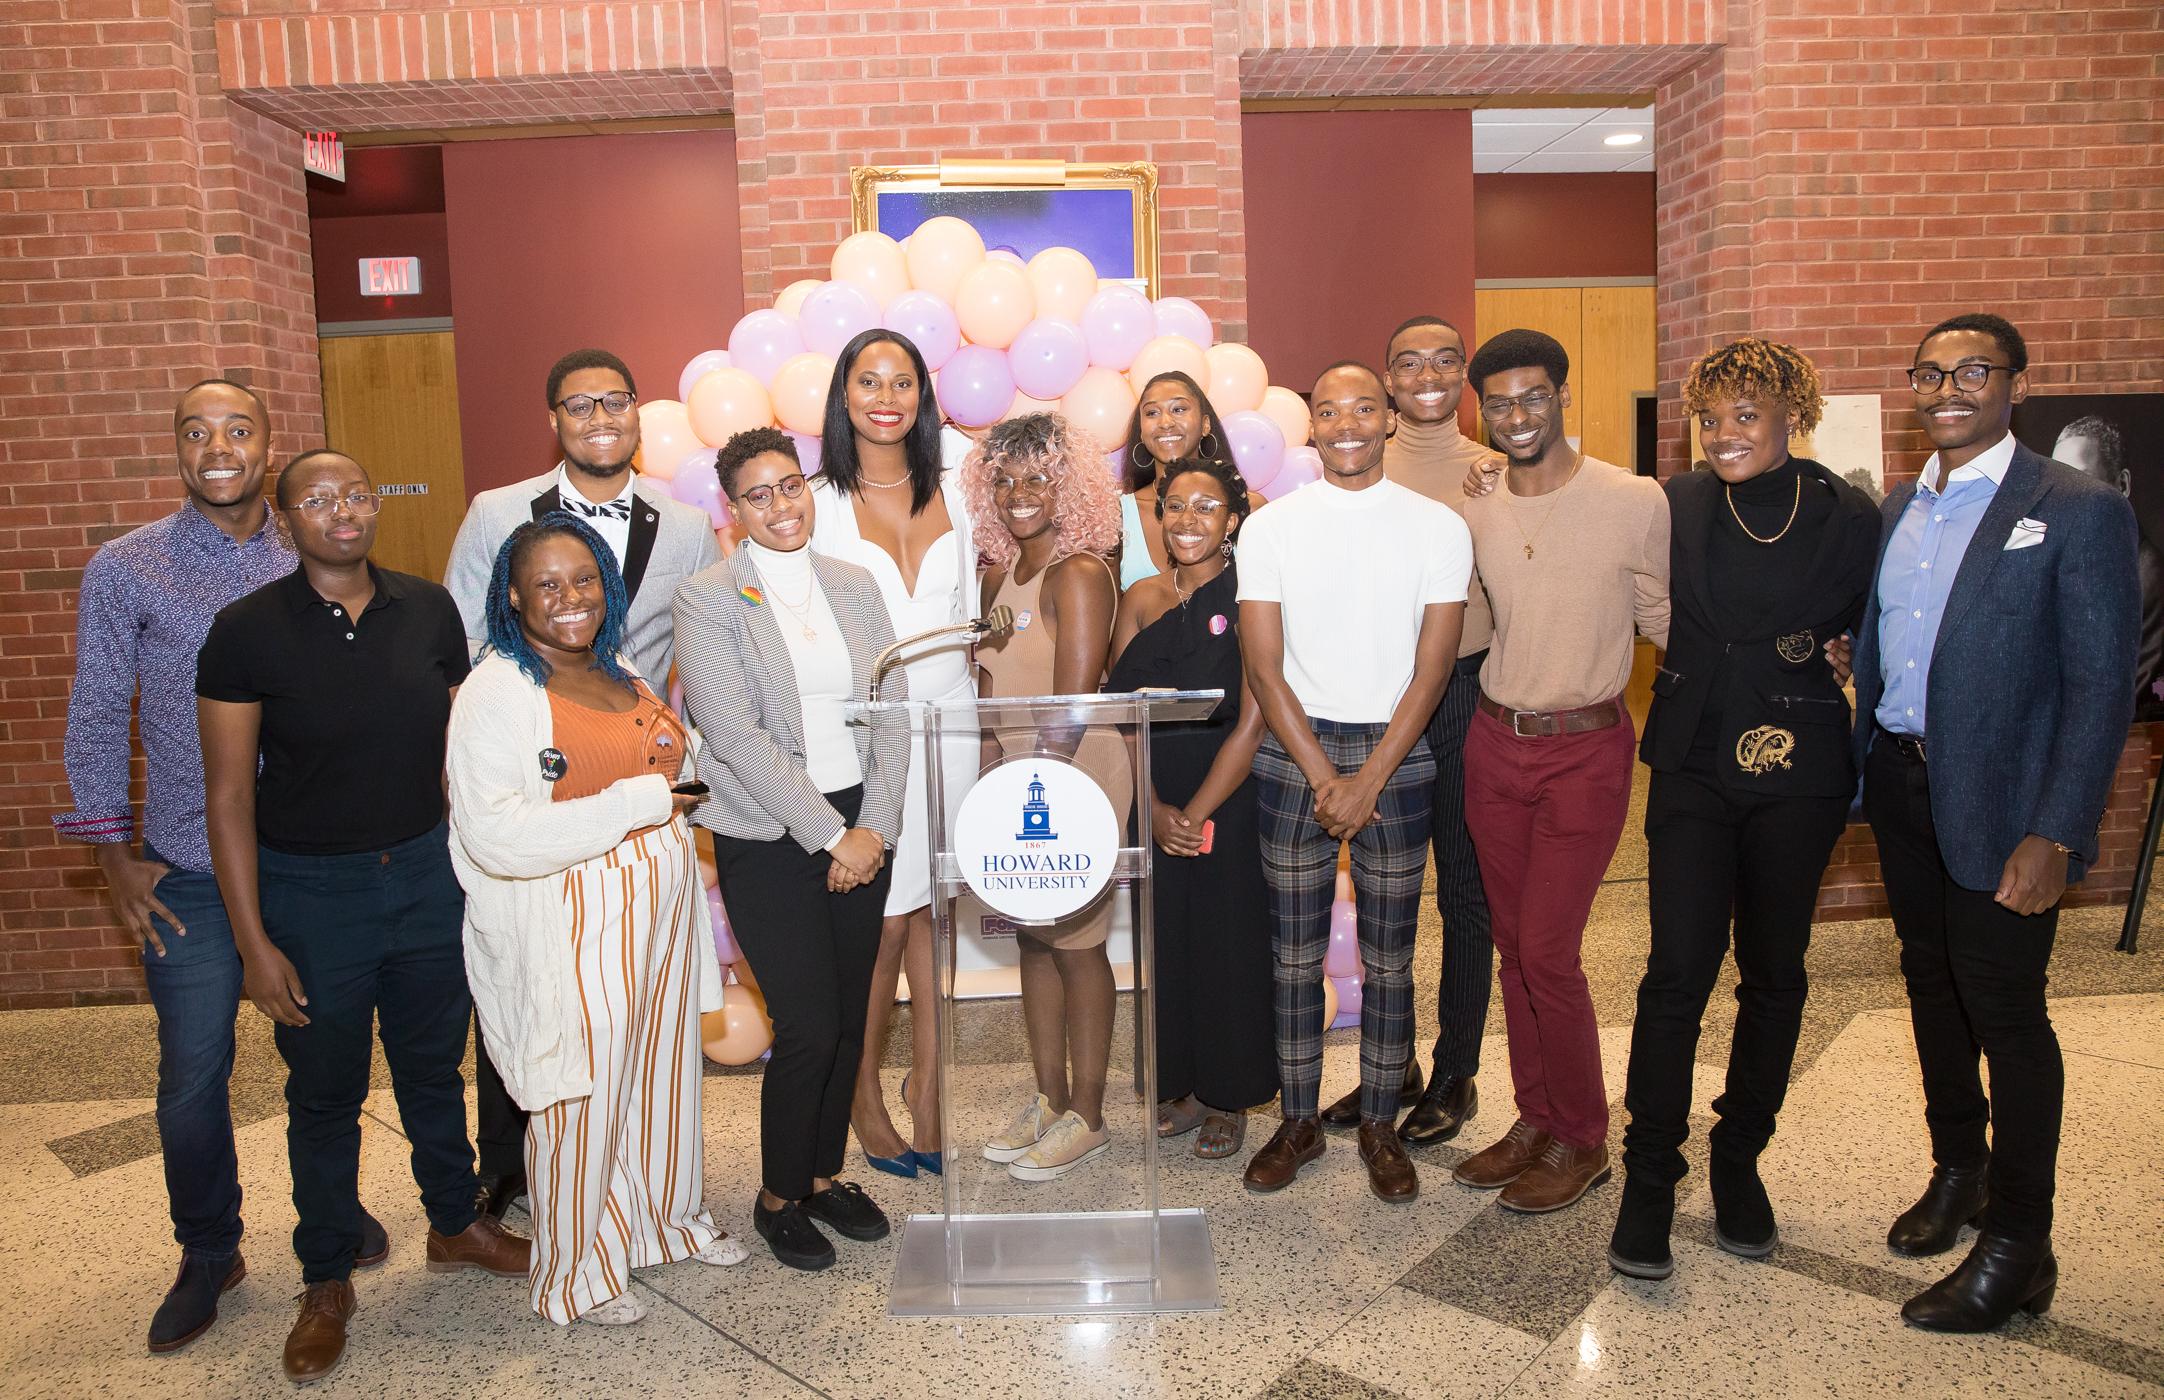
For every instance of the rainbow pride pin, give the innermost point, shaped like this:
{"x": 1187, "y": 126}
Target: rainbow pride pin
{"x": 751, "y": 595}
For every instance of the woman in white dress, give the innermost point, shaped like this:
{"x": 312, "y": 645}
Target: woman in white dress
{"x": 885, "y": 504}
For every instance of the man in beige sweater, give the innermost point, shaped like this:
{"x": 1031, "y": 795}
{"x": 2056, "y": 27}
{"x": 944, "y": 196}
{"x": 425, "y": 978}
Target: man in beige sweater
{"x": 1574, "y": 556}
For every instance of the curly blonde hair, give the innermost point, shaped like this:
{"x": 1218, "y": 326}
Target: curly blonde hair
{"x": 1764, "y": 370}
{"x": 1085, "y": 493}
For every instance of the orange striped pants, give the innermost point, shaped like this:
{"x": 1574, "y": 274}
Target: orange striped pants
{"x": 616, "y": 1177}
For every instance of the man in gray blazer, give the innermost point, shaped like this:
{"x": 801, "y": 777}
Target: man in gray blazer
{"x": 2005, "y": 612}
{"x": 659, "y": 542}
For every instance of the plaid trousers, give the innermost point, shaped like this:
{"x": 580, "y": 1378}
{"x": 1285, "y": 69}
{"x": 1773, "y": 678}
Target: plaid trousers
{"x": 1299, "y": 864}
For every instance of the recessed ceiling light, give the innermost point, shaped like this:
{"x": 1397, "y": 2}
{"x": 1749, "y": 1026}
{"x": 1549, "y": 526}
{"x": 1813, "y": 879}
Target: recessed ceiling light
{"x": 1623, "y": 138}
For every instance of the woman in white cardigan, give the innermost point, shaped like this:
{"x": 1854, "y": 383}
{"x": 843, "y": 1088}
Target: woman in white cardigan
{"x": 587, "y": 940}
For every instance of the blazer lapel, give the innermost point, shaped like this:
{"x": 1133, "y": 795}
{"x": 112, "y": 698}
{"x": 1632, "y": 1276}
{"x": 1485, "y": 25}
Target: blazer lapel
{"x": 777, "y": 673}
{"x": 645, "y": 529}
{"x": 2018, "y": 491}
{"x": 841, "y": 604}
{"x": 1806, "y": 590}
{"x": 547, "y": 501}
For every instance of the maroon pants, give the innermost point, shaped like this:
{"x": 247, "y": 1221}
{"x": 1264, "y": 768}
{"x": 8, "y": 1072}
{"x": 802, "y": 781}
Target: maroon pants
{"x": 1545, "y": 814}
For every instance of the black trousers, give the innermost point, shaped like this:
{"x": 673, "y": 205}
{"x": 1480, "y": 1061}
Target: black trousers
{"x": 1719, "y": 859}
{"x": 501, "y": 1124}
{"x": 1975, "y": 972}
{"x": 812, "y": 952}
{"x": 1468, "y": 972}
{"x": 1216, "y": 1030}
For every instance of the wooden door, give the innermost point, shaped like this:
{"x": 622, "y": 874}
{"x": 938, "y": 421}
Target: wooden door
{"x": 1615, "y": 360}
{"x": 1553, "y": 311}
{"x": 390, "y": 402}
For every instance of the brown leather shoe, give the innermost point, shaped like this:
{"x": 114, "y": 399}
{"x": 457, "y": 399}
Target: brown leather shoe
{"x": 1557, "y": 1179}
{"x": 1297, "y": 1142}
{"x": 482, "y": 1245}
{"x": 1390, "y": 1172}
{"x": 317, "y": 1342}
{"x": 1502, "y": 1162}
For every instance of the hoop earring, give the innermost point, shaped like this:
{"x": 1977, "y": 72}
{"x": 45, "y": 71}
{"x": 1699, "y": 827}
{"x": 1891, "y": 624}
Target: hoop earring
{"x": 1143, "y": 463}
{"x": 1211, "y": 450}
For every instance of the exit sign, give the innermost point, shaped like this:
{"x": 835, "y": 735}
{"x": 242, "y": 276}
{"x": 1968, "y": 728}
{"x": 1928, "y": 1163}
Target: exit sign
{"x": 322, "y": 153}
{"x": 390, "y": 277}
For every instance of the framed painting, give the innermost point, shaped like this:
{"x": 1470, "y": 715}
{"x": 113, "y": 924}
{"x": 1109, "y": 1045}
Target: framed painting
{"x": 1107, "y": 212}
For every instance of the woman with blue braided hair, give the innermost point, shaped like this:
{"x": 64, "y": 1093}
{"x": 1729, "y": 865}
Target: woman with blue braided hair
{"x": 587, "y": 941}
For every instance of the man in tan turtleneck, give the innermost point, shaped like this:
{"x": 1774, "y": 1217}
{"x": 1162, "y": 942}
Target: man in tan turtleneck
{"x": 1425, "y": 375}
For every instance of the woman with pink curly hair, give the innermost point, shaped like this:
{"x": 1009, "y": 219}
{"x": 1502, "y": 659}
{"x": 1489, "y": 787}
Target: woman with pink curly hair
{"x": 1046, "y": 513}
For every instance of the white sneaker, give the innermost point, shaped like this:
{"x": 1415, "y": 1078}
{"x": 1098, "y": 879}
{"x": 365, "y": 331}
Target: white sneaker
{"x": 1029, "y": 1126}
{"x": 722, "y": 1250}
{"x": 619, "y": 1311}
{"x": 1068, "y": 1144}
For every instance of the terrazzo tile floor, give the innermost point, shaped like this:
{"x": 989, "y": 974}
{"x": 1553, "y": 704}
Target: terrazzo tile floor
{"x": 1326, "y": 1292}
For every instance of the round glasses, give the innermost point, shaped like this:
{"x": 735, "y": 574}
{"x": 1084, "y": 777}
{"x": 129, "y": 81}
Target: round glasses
{"x": 616, "y": 401}
{"x": 1972, "y": 376}
{"x": 762, "y": 497}
{"x": 355, "y": 502}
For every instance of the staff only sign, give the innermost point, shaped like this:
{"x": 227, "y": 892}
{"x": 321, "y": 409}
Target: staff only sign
{"x": 1036, "y": 838}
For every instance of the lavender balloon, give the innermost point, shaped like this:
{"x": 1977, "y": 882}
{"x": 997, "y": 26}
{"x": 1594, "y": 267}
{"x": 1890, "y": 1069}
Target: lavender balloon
{"x": 1048, "y": 357}
{"x": 1117, "y": 321}
{"x": 1299, "y": 466}
{"x": 725, "y": 949}
{"x": 1181, "y": 317}
{"x": 976, "y": 386}
{"x": 1257, "y": 447}
{"x": 703, "y": 490}
{"x": 1349, "y": 998}
{"x": 834, "y": 315}
{"x": 761, "y": 341}
{"x": 929, "y": 323}
{"x": 700, "y": 364}
{"x": 807, "y": 452}
{"x": 1342, "y": 959}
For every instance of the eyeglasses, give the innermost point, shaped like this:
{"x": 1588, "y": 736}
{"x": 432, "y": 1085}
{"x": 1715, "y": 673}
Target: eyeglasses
{"x": 1205, "y": 508}
{"x": 1972, "y": 376}
{"x": 1535, "y": 404}
{"x": 356, "y": 503}
{"x": 616, "y": 401}
{"x": 1035, "y": 482}
{"x": 1443, "y": 361}
{"x": 762, "y": 497}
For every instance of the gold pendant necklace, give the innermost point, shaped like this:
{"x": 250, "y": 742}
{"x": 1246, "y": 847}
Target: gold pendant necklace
{"x": 798, "y": 610}
{"x": 1545, "y": 518}
{"x": 1730, "y": 493}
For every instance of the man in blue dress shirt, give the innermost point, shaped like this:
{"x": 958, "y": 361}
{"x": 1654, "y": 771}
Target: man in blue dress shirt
{"x": 1994, "y": 687}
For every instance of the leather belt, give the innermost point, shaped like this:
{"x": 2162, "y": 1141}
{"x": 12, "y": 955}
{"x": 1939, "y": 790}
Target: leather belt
{"x": 1909, "y": 746}
{"x": 1546, "y": 724}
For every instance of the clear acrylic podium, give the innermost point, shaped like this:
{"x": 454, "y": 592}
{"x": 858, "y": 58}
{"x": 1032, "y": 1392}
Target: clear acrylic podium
{"x": 1096, "y": 1240}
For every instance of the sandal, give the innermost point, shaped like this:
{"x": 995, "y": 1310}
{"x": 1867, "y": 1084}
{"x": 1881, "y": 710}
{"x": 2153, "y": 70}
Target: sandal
{"x": 1222, "y": 1134}
{"x": 1179, "y": 1117}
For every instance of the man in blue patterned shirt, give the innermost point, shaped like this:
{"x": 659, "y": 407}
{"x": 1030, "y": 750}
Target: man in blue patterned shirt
{"x": 147, "y": 602}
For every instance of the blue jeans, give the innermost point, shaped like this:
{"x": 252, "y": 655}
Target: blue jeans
{"x": 196, "y": 990}
{"x": 371, "y": 935}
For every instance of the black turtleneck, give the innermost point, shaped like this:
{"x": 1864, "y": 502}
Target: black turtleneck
{"x": 1747, "y": 577}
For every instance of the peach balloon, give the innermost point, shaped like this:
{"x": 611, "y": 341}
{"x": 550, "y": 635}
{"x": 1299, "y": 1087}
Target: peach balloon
{"x": 738, "y": 1033}
{"x": 1100, "y": 404}
{"x": 1289, "y": 411}
{"x": 792, "y": 296}
{"x": 725, "y": 402}
{"x": 941, "y": 253}
{"x": 1168, "y": 352}
{"x": 993, "y": 303}
{"x": 1237, "y": 377}
{"x": 874, "y": 262}
{"x": 1063, "y": 281}
{"x": 666, "y": 437}
{"x": 1024, "y": 405}
{"x": 800, "y": 391}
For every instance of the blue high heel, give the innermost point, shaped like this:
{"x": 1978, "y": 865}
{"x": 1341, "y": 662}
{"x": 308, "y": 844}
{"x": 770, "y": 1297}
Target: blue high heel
{"x": 933, "y": 1162}
{"x": 904, "y": 1165}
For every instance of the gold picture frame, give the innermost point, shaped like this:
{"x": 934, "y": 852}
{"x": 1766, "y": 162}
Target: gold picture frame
{"x": 868, "y": 182}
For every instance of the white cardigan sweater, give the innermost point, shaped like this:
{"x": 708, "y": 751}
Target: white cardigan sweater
{"x": 511, "y": 845}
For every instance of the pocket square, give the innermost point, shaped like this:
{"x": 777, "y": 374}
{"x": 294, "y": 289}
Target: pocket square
{"x": 2025, "y": 534}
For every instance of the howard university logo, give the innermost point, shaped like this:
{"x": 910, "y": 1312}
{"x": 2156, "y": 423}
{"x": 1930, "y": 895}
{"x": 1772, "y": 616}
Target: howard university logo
{"x": 1036, "y": 815}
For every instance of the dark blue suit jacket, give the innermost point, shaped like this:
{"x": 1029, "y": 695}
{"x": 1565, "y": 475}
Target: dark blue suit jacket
{"x": 2032, "y": 682}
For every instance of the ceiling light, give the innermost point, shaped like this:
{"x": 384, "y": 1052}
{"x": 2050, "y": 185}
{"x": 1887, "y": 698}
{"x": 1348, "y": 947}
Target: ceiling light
{"x": 1623, "y": 138}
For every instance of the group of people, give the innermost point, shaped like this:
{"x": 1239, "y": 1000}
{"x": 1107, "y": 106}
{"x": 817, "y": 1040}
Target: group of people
{"x": 396, "y": 803}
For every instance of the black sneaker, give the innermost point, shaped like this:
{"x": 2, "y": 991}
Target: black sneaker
{"x": 791, "y": 1235}
{"x": 845, "y": 1207}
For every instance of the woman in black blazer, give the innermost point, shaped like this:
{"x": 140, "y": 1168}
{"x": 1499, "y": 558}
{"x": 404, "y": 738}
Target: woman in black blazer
{"x": 1748, "y": 739}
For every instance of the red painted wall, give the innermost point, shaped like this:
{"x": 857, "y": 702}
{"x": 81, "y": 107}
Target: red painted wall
{"x": 338, "y": 245}
{"x": 1574, "y": 225}
{"x": 1355, "y": 221}
{"x": 629, "y": 243}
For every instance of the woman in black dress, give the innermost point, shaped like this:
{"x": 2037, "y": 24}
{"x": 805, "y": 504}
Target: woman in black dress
{"x": 1216, "y": 1048}
{"x": 1748, "y": 740}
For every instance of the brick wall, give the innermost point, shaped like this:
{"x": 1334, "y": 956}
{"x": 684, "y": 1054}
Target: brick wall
{"x": 151, "y": 233}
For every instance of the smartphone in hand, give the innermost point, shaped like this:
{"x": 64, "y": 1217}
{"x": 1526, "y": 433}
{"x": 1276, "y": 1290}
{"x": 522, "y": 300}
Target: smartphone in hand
{"x": 693, "y": 788}
{"x": 1209, "y": 835}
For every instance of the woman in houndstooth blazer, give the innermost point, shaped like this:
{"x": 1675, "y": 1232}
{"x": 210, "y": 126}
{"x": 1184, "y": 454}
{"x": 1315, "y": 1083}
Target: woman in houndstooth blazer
{"x": 772, "y": 644}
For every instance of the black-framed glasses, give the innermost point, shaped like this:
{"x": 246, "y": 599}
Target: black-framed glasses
{"x": 1410, "y": 363}
{"x": 1971, "y": 376}
{"x": 762, "y": 497}
{"x": 1536, "y": 403}
{"x": 616, "y": 401}
{"x": 355, "y": 502}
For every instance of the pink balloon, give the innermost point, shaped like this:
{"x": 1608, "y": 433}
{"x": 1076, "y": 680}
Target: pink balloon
{"x": 1166, "y": 353}
{"x": 1063, "y": 281}
{"x": 726, "y": 402}
{"x": 1344, "y": 889}
{"x": 1349, "y": 998}
{"x": 1300, "y": 466}
{"x": 761, "y": 341}
{"x": 993, "y": 303}
{"x": 929, "y": 323}
{"x": 699, "y": 365}
{"x": 800, "y": 387}
{"x": 665, "y": 437}
{"x": 976, "y": 386}
{"x": 1118, "y": 321}
{"x": 1255, "y": 444}
{"x": 1100, "y": 404}
{"x": 725, "y": 949}
{"x": 1343, "y": 958}
{"x": 1181, "y": 317}
{"x": 1024, "y": 405}
{"x": 1006, "y": 255}
{"x": 1237, "y": 378}
{"x": 835, "y": 314}
{"x": 699, "y": 459}
{"x": 792, "y": 296}
{"x": 702, "y": 490}
{"x": 1048, "y": 357}
{"x": 874, "y": 262}
{"x": 1289, "y": 411}
{"x": 807, "y": 452}
{"x": 940, "y": 254}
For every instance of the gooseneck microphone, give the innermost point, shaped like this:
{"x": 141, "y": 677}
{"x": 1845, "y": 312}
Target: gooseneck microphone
{"x": 998, "y": 621}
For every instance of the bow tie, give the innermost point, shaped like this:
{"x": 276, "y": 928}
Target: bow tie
{"x": 618, "y": 509}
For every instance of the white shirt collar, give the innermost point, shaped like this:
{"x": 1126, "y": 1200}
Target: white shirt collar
{"x": 564, "y": 486}
{"x": 1991, "y": 464}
